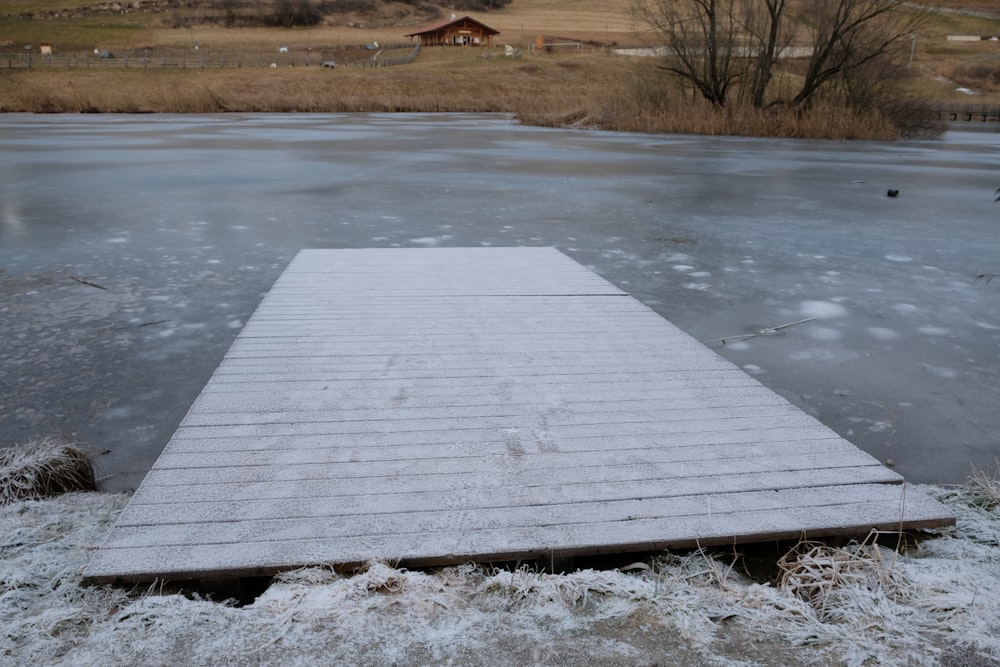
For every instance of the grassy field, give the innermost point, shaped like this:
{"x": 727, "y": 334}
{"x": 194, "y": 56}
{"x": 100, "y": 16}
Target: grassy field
{"x": 593, "y": 88}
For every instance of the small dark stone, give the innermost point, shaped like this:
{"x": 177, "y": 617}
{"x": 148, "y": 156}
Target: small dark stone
{"x": 892, "y": 193}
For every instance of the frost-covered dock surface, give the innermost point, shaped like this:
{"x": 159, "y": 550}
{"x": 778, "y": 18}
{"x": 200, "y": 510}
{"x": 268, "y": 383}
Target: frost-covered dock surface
{"x": 432, "y": 406}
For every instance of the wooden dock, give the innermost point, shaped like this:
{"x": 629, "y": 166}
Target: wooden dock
{"x": 435, "y": 406}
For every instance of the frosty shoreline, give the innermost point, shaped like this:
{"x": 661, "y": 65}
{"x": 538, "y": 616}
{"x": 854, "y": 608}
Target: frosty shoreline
{"x": 936, "y": 603}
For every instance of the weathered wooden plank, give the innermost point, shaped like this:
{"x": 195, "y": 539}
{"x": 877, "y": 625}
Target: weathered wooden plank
{"x": 294, "y": 407}
{"x": 387, "y": 476}
{"x": 478, "y": 381}
{"x": 454, "y": 404}
{"x": 150, "y": 511}
{"x": 386, "y": 445}
{"x": 497, "y": 415}
{"x": 413, "y": 372}
{"x": 398, "y": 521}
{"x": 359, "y": 492}
{"x": 611, "y": 429}
{"x": 365, "y": 394}
{"x": 486, "y": 454}
{"x": 452, "y": 545}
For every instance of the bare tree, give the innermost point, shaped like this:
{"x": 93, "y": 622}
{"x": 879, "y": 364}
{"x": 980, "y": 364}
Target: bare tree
{"x": 763, "y": 21}
{"x": 849, "y": 35}
{"x": 705, "y": 44}
{"x": 718, "y": 45}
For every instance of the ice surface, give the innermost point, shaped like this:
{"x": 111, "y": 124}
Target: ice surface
{"x": 803, "y": 230}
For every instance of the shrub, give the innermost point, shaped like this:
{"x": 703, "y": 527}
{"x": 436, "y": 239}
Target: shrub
{"x": 290, "y": 13}
{"x": 345, "y": 6}
{"x": 477, "y": 5}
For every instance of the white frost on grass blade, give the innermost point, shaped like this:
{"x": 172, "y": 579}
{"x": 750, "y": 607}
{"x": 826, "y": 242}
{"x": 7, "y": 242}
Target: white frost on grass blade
{"x": 44, "y": 545}
{"x": 42, "y": 468}
{"x": 940, "y": 599}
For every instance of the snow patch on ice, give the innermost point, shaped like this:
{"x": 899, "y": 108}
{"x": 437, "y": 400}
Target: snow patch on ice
{"x": 684, "y": 268}
{"x": 883, "y": 333}
{"x": 931, "y": 330}
{"x": 822, "y": 310}
{"x": 426, "y": 241}
{"x": 823, "y": 333}
{"x": 940, "y": 371}
{"x": 699, "y": 287}
{"x": 899, "y": 258}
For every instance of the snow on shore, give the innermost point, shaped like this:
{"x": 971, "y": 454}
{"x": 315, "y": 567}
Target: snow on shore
{"x": 938, "y": 601}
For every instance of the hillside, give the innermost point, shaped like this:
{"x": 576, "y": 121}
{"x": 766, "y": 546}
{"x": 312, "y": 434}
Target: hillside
{"x": 581, "y": 85}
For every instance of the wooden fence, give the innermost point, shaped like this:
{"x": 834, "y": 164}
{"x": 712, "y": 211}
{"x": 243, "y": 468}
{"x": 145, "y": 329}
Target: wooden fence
{"x": 984, "y": 113}
{"x": 344, "y": 57}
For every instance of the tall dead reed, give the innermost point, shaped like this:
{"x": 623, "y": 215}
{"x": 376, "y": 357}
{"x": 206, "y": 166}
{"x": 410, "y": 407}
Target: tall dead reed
{"x": 595, "y": 90}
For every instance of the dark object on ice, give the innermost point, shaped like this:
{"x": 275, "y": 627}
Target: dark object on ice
{"x": 892, "y": 193}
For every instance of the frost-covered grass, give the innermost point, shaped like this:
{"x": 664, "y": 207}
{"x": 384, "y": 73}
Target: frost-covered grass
{"x": 857, "y": 605}
{"x": 43, "y": 468}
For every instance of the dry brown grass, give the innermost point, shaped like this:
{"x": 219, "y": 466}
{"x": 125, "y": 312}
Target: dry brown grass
{"x": 983, "y": 489}
{"x": 817, "y": 573}
{"x": 597, "y": 90}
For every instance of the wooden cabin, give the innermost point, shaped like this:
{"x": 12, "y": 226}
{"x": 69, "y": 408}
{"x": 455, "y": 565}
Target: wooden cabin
{"x": 465, "y": 31}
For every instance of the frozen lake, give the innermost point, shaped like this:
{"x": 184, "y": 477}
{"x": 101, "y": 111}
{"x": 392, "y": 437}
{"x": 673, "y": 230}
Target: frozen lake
{"x": 133, "y": 248}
